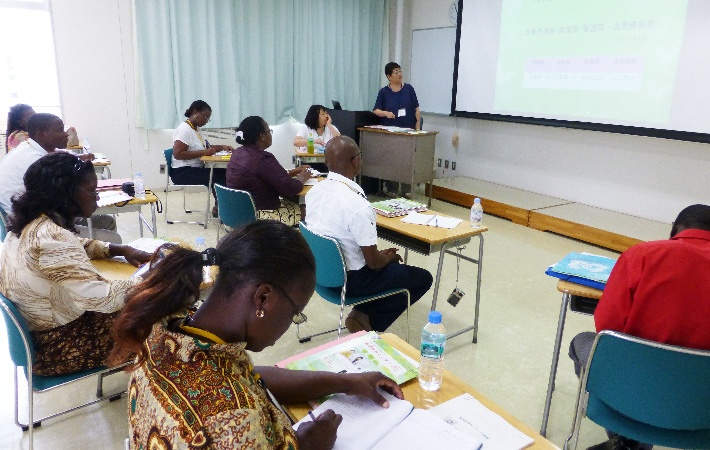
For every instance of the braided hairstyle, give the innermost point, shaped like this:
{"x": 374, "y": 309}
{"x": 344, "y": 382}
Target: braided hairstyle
{"x": 50, "y": 186}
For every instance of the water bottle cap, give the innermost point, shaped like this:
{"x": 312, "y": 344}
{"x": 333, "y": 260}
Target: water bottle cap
{"x": 200, "y": 240}
{"x": 434, "y": 317}
{"x": 476, "y": 200}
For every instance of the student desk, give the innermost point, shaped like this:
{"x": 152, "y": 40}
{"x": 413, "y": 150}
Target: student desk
{"x": 303, "y": 157}
{"x": 133, "y": 205}
{"x": 568, "y": 289}
{"x": 212, "y": 162}
{"x": 451, "y": 387}
{"x": 427, "y": 240}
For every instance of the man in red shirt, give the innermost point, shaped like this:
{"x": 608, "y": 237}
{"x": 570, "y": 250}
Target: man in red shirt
{"x": 660, "y": 291}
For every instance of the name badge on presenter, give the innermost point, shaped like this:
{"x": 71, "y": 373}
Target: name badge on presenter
{"x": 402, "y": 112}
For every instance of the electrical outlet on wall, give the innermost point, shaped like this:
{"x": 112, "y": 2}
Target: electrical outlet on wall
{"x": 453, "y": 165}
{"x": 162, "y": 168}
{"x": 446, "y": 164}
{"x": 438, "y": 162}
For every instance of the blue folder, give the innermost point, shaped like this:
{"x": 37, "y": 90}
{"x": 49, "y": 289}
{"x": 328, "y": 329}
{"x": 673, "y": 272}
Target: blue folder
{"x": 583, "y": 268}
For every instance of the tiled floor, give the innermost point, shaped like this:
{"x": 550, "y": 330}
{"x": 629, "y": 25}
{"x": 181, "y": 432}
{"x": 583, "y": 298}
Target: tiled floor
{"x": 510, "y": 363}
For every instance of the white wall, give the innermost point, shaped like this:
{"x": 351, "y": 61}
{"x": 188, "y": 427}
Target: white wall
{"x": 94, "y": 46}
{"x": 646, "y": 177}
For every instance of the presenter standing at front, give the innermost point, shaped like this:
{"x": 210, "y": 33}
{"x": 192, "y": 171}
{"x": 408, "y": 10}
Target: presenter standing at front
{"x": 397, "y": 103}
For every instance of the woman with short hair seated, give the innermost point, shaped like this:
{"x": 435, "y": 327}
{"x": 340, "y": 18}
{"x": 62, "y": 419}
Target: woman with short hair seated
{"x": 46, "y": 270}
{"x": 193, "y": 384}
{"x": 255, "y": 170}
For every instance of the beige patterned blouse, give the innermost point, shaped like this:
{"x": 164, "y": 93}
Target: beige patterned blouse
{"x": 47, "y": 273}
{"x": 190, "y": 394}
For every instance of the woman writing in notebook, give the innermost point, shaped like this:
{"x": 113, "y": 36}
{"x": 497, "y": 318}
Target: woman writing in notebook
{"x": 189, "y": 145}
{"x": 193, "y": 384}
{"x": 251, "y": 168}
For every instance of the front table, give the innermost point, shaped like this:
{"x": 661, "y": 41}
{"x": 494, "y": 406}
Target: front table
{"x": 303, "y": 157}
{"x": 427, "y": 240}
{"x": 451, "y": 387}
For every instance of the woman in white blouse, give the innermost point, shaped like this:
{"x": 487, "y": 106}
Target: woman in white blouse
{"x": 318, "y": 124}
{"x": 189, "y": 145}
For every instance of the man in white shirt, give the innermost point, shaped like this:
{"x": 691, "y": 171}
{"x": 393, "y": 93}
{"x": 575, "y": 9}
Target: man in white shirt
{"x": 337, "y": 207}
{"x": 46, "y": 133}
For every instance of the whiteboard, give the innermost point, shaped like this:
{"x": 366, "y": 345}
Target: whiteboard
{"x": 433, "y": 68}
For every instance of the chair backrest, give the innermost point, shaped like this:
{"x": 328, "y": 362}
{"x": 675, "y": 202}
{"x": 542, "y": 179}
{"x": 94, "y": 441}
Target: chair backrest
{"x": 168, "y": 160}
{"x": 330, "y": 262}
{"x": 656, "y": 384}
{"x": 235, "y": 207}
{"x": 18, "y": 333}
{"x": 3, "y": 225}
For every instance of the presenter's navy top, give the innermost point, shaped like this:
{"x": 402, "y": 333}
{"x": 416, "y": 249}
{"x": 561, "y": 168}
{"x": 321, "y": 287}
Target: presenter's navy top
{"x": 388, "y": 100}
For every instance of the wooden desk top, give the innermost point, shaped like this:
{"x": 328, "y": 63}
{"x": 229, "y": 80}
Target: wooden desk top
{"x": 215, "y": 159}
{"x": 112, "y": 269}
{"x": 404, "y": 133}
{"x": 304, "y": 153}
{"x": 451, "y": 387}
{"x": 307, "y": 188}
{"x": 578, "y": 289}
{"x": 425, "y": 233}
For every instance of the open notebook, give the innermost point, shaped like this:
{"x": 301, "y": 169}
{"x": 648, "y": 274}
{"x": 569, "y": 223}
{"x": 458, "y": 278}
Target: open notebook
{"x": 400, "y": 426}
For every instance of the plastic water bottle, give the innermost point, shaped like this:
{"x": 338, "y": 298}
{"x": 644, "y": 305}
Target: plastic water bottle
{"x": 309, "y": 146}
{"x": 431, "y": 365}
{"x": 201, "y": 247}
{"x": 476, "y": 213}
{"x": 86, "y": 146}
{"x": 139, "y": 186}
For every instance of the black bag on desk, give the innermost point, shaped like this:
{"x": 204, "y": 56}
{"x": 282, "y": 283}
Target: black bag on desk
{"x": 128, "y": 188}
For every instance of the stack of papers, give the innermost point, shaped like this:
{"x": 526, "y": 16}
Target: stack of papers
{"x": 397, "y": 207}
{"x": 433, "y": 220}
{"x": 107, "y": 198}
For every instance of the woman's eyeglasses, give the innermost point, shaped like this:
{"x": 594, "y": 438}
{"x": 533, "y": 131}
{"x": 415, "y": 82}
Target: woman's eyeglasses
{"x": 299, "y": 317}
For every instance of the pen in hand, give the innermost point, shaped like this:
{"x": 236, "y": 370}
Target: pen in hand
{"x": 310, "y": 413}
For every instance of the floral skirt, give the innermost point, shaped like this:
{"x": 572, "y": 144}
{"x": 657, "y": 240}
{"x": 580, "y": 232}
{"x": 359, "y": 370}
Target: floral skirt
{"x": 82, "y": 344}
{"x": 288, "y": 213}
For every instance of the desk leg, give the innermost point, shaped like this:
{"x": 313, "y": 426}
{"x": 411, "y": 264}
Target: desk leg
{"x": 209, "y": 193}
{"x": 140, "y": 220}
{"x": 406, "y": 254}
{"x": 91, "y": 228}
{"x": 438, "y": 278}
{"x": 555, "y": 358}
{"x": 155, "y": 223}
{"x": 478, "y": 288}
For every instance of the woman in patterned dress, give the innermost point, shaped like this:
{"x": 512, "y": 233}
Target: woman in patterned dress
{"x": 193, "y": 385}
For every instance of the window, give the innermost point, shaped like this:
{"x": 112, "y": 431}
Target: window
{"x": 28, "y": 71}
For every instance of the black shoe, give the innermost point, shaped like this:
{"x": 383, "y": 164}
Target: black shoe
{"x": 616, "y": 443}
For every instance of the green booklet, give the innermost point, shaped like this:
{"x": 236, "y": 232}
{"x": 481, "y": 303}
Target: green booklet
{"x": 397, "y": 207}
{"x": 360, "y": 352}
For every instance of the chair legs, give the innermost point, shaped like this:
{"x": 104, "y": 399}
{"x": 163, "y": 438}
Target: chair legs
{"x": 184, "y": 207}
{"x": 580, "y": 409}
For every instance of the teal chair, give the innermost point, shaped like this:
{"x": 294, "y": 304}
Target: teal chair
{"x": 168, "y": 182}
{"x": 654, "y": 393}
{"x": 332, "y": 277}
{"x": 3, "y": 225}
{"x": 22, "y": 355}
{"x": 235, "y": 207}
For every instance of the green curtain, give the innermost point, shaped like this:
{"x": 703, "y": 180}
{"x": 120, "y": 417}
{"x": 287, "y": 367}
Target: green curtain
{"x": 272, "y": 58}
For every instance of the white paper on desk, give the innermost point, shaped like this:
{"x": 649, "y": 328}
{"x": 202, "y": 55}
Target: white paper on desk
{"x": 471, "y": 417}
{"x": 360, "y": 414}
{"x": 148, "y": 245}
{"x": 311, "y": 182}
{"x": 422, "y": 429}
{"x": 431, "y": 220}
{"x": 107, "y": 198}
{"x": 222, "y": 153}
